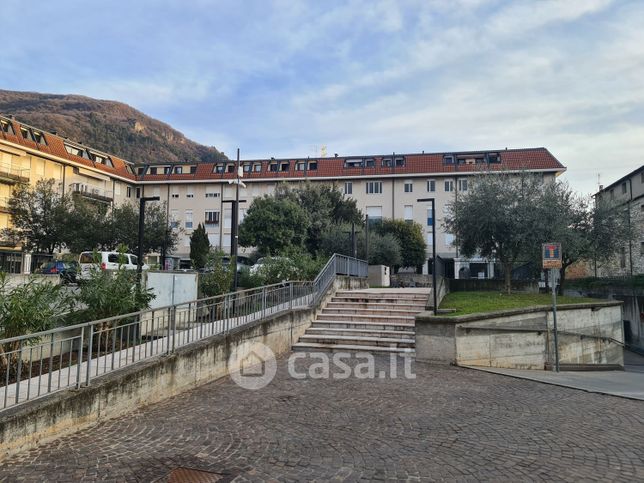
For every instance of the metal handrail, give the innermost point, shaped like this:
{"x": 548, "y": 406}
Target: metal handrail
{"x": 94, "y": 348}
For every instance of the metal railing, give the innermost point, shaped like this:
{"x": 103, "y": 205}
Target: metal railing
{"x": 37, "y": 364}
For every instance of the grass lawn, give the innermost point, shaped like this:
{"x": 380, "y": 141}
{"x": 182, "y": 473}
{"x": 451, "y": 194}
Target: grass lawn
{"x": 477, "y": 302}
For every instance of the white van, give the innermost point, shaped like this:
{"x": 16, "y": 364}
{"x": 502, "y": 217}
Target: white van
{"x": 106, "y": 261}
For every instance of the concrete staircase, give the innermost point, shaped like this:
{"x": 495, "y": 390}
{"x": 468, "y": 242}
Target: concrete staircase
{"x": 369, "y": 320}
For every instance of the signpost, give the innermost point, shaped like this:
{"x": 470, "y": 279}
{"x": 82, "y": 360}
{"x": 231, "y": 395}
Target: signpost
{"x": 551, "y": 256}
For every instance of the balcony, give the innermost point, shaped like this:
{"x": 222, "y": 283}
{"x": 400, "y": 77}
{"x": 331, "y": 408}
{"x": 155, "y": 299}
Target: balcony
{"x": 91, "y": 193}
{"x": 11, "y": 175}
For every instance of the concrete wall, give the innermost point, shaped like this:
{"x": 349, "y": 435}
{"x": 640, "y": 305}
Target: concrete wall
{"x": 589, "y": 335}
{"x": 14, "y": 279}
{"x": 152, "y": 380}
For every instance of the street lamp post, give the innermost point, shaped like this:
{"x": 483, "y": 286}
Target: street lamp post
{"x": 234, "y": 236}
{"x": 139, "y": 260}
{"x": 422, "y": 200}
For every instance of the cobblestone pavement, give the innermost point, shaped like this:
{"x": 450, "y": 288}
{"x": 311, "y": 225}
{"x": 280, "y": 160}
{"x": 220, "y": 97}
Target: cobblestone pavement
{"x": 448, "y": 423}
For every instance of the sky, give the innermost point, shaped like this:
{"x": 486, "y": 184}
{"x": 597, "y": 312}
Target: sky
{"x": 286, "y": 77}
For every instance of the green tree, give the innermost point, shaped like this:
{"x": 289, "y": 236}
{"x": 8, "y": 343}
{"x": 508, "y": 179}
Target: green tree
{"x": 273, "y": 225}
{"x": 38, "y": 215}
{"x": 384, "y": 250}
{"x": 497, "y": 218}
{"x": 324, "y": 205}
{"x": 31, "y": 307}
{"x": 157, "y": 234}
{"x": 86, "y": 226}
{"x": 410, "y": 238}
{"x": 199, "y": 247}
{"x": 219, "y": 280}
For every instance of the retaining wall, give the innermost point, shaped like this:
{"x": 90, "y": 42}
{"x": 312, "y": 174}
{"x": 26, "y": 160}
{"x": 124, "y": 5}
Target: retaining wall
{"x": 590, "y": 336}
{"x": 152, "y": 380}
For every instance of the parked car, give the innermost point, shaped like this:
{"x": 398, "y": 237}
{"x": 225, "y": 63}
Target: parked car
{"x": 66, "y": 270}
{"x": 241, "y": 262}
{"x": 262, "y": 261}
{"x": 106, "y": 261}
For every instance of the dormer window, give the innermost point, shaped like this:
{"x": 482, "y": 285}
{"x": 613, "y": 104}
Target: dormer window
{"x": 300, "y": 166}
{"x": 39, "y": 137}
{"x": 247, "y": 167}
{"x": 230, "y": 168}
{"x": 76, "y": 151}
{"x": 257, "y": 167}
{"x": 178, "y": 170}
{"x": 399, "y": 162}
{"x": 193, "y": 169}
{"x": 141, "y": 170}
{"x": 387, "y": 162}
{"x": 284, "y": 166}
{"x": 6, "y": 127}
{"x": 313, "y": 165}
{"x": 167, "y": 170}
{"x": 129, "y": 169}
{"x": 448, "y": 159}
{"x": 493, "y": 158}
{"x": 26, "y": 134}
{"x": 354, "y": 163}
{"x": 273, "y": 167}
{"x": 219, "y": 168}
{"x": 370, "y": 163}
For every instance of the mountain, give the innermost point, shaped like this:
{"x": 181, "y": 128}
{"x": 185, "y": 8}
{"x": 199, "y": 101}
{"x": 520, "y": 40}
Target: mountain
{"x": 109, "y": 126}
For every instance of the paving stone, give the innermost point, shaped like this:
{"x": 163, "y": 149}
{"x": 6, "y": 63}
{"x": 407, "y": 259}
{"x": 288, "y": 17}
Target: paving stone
{"x": 447, "y": 424}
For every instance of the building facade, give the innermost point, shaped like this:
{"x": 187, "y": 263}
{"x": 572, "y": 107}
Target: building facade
{"x": 384, "y": 186}
{"x": 626, "y": 193}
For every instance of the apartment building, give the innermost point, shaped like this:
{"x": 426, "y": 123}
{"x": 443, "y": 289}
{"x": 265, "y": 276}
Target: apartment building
{"x": 627, "y": 193}
{"x": 384, "y": 186}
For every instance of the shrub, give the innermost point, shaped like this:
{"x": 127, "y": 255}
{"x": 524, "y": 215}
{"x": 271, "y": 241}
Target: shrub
{"x": 218, "y": 280}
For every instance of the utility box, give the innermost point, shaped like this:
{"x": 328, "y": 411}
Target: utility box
{"x": 379, "y": 276}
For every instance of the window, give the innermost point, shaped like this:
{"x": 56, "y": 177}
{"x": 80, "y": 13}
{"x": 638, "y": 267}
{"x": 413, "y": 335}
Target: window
{"x": 386, "y": 162}
{"x": 462, "y": 185}
{"x": 348, "y": 188}
{"x": 257, "y": 167}
{"x": 430, "y": 217}
{"x": 409, "y": 186}
{"x": 641, "y": 248}
{"x": 449, "y": 186}
{"x": 193, "y": 169}
{"x": 175, "y": 194}
{"x": 353, "y": 163}
{"x": 623, "y": 188}
{"x": 284, "y": 166}
{"x": 140, "y": 170}
{"x": 247, "y": 167}
{"x": 219, "y": 168}
{"x": 300, "y": 166}
{"x": 188, "y": 220}
{"x": 39, "y": 137}
{"x": 210, "y": 192}
{"x": 138, "y": 192}
{"x": 230, "y": 168}
{"x": 374, "y": 213}
{"x": 167, "y": 170}
{"x": 76, "y": 151}
{"x": 153, "y": 170}
{"x": 129, "y": 192}
{"x": 622, "y": 257}
{"x": 431, "y": 185}
{"x": 448, "y": 159}
{"x": 313, "y": 165}
{"x": 212, "y": 218}
{"x": 189, "y": 193}
{"x": 449, "y": 239}
{"x": 273, "y": 167}
{"x": 374, "y": 187}
{"x": 174, "y": 219}
{"x": 400, "y": 162}
{"x": 409, "y": 212}
{"x": 493, "y": 158}
{"x": 26, "y": 134}
{"x": 6, "y": 126}
{"x": 370, "y": 163}
{"x": 178, "y": 170}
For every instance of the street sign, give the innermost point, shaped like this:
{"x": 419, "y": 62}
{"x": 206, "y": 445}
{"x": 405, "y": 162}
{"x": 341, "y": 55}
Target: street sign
{"x": 551, "y": 255}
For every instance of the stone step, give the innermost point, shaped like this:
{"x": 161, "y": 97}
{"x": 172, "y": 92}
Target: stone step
{"x": 369, "y": 311}
{"x": 343, "y": 324}
{"x": 380, "y": 300}
{"x": 377, "y": 296}
{"x": 405, "y": 319}
{"x": 374, "y": 305}
{"x": 363, "y": 332}
{"x": 358, "y": 340}
{"x": 317, "y": 347}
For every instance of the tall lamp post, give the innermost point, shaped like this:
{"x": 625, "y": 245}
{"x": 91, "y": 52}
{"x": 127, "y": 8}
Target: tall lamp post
{"x": 139, "y": 260}
{"x": 422, "y": 200}
{"x": 234, "y": 238}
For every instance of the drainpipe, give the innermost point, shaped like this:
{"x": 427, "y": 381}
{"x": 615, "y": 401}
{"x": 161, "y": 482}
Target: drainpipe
{"x": 630, "y": 239}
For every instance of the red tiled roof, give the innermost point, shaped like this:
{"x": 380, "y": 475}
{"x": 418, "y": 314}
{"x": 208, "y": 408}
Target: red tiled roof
{"x": 415, "y": 164}
{"x": 56, "y": 147}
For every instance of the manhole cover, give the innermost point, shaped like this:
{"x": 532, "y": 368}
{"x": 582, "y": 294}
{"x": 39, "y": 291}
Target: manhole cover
{"x": 188, "y": 475}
